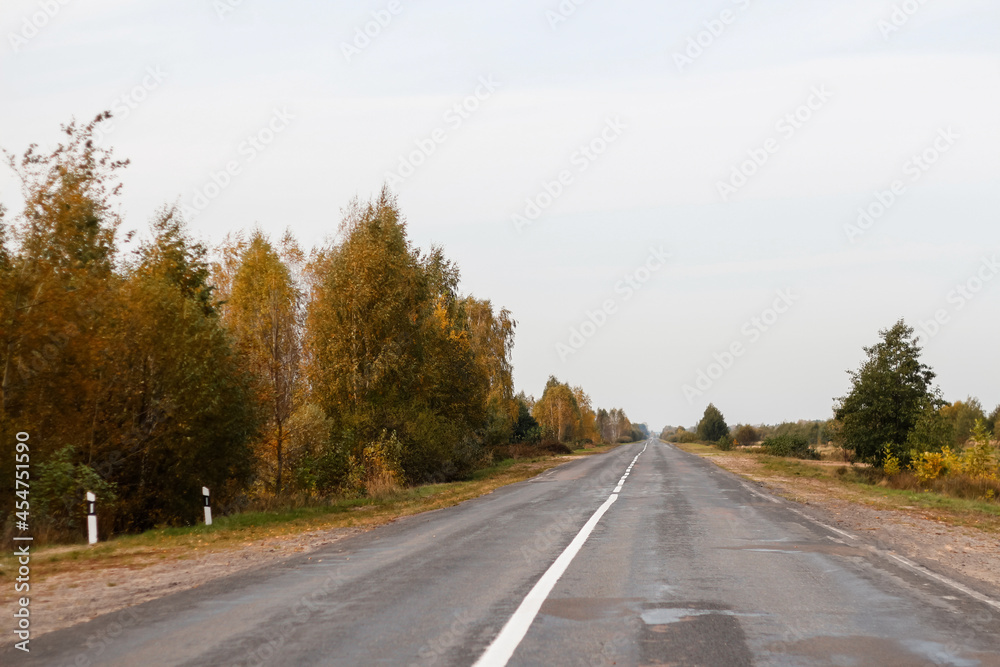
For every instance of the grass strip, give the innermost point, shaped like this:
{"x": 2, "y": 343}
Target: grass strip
{"x": 244, "y": 529}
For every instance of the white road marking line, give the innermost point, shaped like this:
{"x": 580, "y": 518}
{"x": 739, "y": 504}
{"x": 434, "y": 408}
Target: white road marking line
{"x": 500, "y": 651}
{"x": 820, "y": 523}
{"x": 946, "y": 581}
{"x": 502, "y": 648}
{"x": 759, "y": 494}
{"x": 951, "y": 583}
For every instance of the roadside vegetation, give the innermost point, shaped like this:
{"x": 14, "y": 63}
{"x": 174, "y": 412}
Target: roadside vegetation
{"x": 143, "y": 368}
{"x": 892, "y": 431}
{"x": 271, "y": 517}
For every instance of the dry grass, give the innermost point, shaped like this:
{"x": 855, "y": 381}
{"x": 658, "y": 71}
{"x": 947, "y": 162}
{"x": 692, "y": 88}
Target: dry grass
{"x": 955, "y": 486}
{"x": 382, "y": 486}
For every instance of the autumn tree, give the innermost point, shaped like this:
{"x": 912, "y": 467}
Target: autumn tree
{"x": 174, "y": 258}
{"x": 225, "y": 264}
{"x": 448, "y": 410}
{"x": 363, "y": 319}
{"x": 588, "y": 418}
{"x": 491, "y": 340}
{"x": 394, "y": 348}
{"x": 147, "y": 375}
{"x": 118, "y": 367}
{"x": 615, "y": 425}
{"x": 264, "y": 315}
{"x": 602, "y": 426}
{"x": 557, "y": 410}
{"x": 176, "y": 409}
{"x": 626, "y": 428}
{"x": 619, "y": 425}
{"x": 57, "y": 286}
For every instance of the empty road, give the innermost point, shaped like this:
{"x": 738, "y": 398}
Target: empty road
{"x": 645, "y": 555}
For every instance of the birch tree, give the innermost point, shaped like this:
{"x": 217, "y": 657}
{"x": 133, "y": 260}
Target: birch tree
{"x": 557, "y": 410}
{"x": 264, "y": 314}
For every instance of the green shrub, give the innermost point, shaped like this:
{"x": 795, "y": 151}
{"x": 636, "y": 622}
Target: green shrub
{"x": 890, "y": 462}
{"x": 725, "y": 443}
{"x": 325, "y": 473}
{"x": 58, "y": 493}
{"x": 746, "y": 435}
{"x": 792, "y": 446}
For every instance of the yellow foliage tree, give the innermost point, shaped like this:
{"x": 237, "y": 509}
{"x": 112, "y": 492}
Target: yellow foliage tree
{"x": 557, "y": 411}
{"x": 264, "y": 315}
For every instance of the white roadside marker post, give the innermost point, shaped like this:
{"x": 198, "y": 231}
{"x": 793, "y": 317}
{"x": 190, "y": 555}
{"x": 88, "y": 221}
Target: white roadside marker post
{"x": 91, "y": 518}
{"x": 208, "y": 506}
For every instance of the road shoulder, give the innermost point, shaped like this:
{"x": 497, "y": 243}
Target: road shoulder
{"x": 966, "y": 553}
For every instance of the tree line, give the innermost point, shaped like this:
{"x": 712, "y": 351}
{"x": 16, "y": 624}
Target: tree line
{"x": 146, "y": 370}
{"x": 566, "y": 414}
{"x": 892, "y": 414}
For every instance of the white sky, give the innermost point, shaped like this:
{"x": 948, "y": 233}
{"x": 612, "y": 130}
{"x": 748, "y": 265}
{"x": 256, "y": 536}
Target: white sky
{"x": 655, "y": 186}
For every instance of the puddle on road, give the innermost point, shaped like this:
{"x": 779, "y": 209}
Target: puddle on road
{"x": 666, "y": 616}
{"x": 589, "y": 609}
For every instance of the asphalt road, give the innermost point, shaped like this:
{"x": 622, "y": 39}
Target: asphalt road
{"x": 685, "y": 565}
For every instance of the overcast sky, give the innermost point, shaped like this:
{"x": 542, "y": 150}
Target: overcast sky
{"x": 740, "y": 138}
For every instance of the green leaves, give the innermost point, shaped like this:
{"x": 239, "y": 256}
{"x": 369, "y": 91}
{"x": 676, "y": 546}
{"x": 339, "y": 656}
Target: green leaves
{"x": 932, "y": 430}
{"x": 175, "y": 258}
{"x": 58, "y": 493}
{"x": 712, "y": 426}
{"x": 890, "y": 391}
{"x": 176, "y": 411}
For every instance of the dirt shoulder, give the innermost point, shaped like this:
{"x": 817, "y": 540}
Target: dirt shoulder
{"x": 952, "y": 539}
{"x": 74, "y": 584}
{"x": 72, "y": 596}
